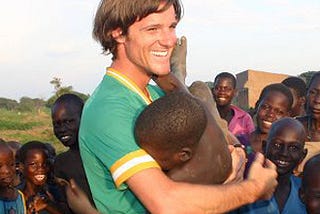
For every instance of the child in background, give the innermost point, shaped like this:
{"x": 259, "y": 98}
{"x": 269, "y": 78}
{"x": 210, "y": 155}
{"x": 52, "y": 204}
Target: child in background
{"x": 15, "y": 146}
{"x": 310, "y": 187}
{"x": 311, "y": 121}
{"x": 285, "y": 148}
{"x": 298, "y": 89}
{"x": 66, "y": 115}
{"x": 33, "y": 159}
{"x": 11, "y": 199}
{"x": 239, "y": 121}
{"x": 274, "y": 103}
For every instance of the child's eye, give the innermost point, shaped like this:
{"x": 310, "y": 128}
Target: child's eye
{"x": 312, "y": 92}
{"x": 293, "y": 148}
{"x": 277, "y": 145}
{"x": 265, "y": 107}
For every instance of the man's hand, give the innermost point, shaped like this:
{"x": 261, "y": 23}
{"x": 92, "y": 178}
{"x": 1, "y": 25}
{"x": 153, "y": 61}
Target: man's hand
{"x": 238, "y": 165}
{"x": 178, "y": 59}
{"x": 263, "y": 173}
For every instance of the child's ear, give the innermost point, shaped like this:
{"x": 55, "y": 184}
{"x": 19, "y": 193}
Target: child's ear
{"x": 305, "y": 152}
{"x": 117, "y": 35}
{"x": 21, "y": 167}
{"x": 185, "y": 154}
{"x": 264, "y": 147}
{"x": 235, "y": 92}
{"x": 302, "y": 101}
{"x": 302, "y": 195}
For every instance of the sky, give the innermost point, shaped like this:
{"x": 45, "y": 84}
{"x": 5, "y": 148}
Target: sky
{"x": 42, "y": 39}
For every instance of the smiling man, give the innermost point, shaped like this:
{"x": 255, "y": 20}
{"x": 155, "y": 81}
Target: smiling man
{"x": 123, "y": 178}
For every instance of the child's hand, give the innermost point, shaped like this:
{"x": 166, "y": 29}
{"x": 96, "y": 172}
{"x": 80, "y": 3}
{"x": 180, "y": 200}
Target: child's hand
{"x": 77, "y": 199}
{"x": 40, "y": 202}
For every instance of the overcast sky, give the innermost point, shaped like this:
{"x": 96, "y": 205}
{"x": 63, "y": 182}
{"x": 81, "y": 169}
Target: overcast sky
{"x": 42, "y": 39}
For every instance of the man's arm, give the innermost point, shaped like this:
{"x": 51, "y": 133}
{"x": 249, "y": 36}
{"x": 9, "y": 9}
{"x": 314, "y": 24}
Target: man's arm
{"x": 159, "y": 194}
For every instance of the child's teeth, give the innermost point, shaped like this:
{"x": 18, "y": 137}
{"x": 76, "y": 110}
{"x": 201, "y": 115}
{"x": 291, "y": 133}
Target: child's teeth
{"x": 40, "y": 177}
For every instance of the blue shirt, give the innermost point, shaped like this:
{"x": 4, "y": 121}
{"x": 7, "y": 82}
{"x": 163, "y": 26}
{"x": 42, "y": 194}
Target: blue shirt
{"x": 293, "y": 204}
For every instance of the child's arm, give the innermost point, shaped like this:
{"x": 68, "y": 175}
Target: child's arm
{"x": 175, "y": 80}
{"x": 77, "y": 199}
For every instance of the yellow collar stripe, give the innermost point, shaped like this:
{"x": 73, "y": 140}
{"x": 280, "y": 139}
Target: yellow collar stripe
{"x": 129, "y": 84}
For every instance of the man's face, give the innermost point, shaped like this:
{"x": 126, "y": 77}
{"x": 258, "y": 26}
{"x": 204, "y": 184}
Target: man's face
{"x": 223, "y": 91}
{"x": 66, "y": 121}
{"x": 271, "y": 108}
{"x": 285, "y": 148}
{"x": 313, "y": 98}
{"x": 150, "y": 41}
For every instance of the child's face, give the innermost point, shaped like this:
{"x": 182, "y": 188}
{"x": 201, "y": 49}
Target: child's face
{"x": 311, "y": 195}
{"x": 35, "y": 167}
{"x": 223, "y": 91}
{"x": 296, "y": 105}
{"x": 313, "y": 98}
{"x": 285, "y": 148}
{"x": 7, "y": 167}
{"x": 66, "y": 121}
{"x": 272, "y": 107}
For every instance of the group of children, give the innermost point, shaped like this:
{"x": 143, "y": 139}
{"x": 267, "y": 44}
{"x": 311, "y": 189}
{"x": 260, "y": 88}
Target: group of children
{"x": 171, "y": 130}
{"x": 32, "y": 177}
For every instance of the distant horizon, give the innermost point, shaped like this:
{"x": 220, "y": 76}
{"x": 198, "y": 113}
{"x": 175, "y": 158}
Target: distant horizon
{"x": 45, "y": 99}
{"x": 42, "y": 39}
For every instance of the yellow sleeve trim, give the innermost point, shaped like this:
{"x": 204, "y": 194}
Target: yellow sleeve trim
{"x": 130, "y": 164}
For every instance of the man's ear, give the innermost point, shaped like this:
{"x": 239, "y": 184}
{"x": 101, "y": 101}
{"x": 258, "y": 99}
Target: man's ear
{"x": 264, "y": 147}
{"x": 117, "y": 35}
{"x": 185, "y": 154}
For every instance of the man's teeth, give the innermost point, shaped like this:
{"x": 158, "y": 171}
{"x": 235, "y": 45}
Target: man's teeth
{"x": 159, "y": 53}
{"x": 40, "y": 177}
{"x": 222, "y": 98}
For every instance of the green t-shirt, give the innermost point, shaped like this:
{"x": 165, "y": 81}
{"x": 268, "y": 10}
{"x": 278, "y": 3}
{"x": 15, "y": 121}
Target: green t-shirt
{"x": 108, "y": 149}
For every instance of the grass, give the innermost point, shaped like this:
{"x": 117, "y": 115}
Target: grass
{"x": 27, "y": 126}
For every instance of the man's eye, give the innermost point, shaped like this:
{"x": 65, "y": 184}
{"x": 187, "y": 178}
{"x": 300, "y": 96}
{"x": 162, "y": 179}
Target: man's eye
{"x": 152, "y": 29}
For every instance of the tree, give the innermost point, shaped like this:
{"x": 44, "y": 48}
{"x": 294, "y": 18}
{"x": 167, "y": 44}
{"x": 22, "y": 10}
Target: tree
{"x": 60, "y": 90}
{"x": 8, "y": 104}
{"x": 29, "y": 104}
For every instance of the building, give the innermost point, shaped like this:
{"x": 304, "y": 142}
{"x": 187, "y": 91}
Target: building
{"x": 250, "y": 83}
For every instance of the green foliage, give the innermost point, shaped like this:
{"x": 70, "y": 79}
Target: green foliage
{"x": 60, "y": 90}
{"x": 17, "y": 125}
{"x": 27, "y": 126}
{"x": 8, "y": 103}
